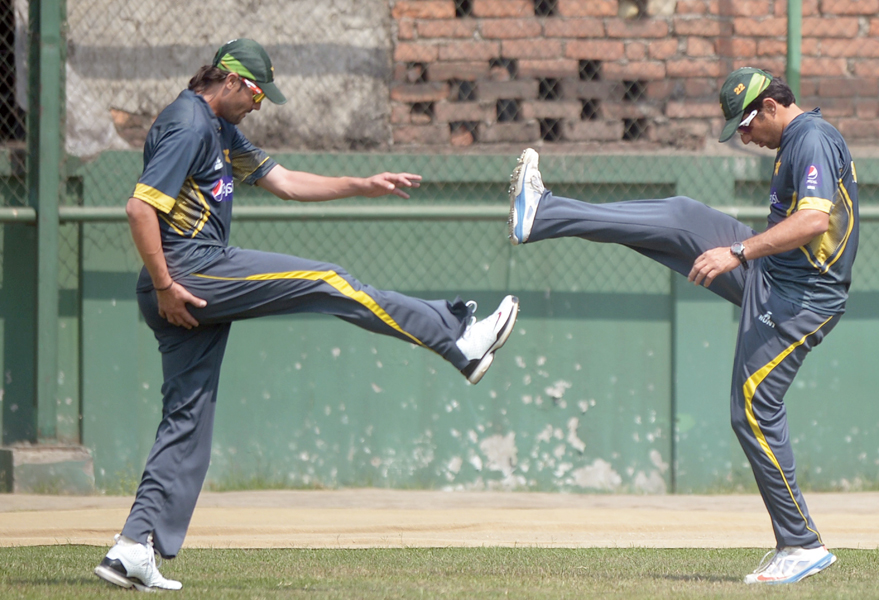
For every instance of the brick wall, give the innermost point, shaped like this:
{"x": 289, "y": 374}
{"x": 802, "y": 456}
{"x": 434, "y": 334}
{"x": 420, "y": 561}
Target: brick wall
{"x": 630, "y": 71}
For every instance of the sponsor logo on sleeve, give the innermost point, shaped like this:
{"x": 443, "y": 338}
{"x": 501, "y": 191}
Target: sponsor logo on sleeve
{"x": 222, "y": 189}
{"x": 813, "y": 178}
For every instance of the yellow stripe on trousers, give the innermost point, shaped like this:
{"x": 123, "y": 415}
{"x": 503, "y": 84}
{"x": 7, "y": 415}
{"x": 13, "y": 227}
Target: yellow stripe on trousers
{"x": 750, "y": 389}
{"x": 332, "y": 278}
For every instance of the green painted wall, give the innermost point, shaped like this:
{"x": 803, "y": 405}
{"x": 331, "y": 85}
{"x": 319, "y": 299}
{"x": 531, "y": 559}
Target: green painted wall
{"x": 617, "y": 377}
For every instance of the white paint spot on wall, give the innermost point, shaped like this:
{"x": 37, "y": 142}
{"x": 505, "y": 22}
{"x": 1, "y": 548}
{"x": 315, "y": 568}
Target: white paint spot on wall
{"x": 376, "y": 462}
{"x": 520, "y": 362}
{"x": 559, "y": 451}
{"x": 336, "y": 352}
{"x": 376, "y": 389}
{"x": 575, "y": 442}
{"x": 455, "y": 464}
{"x": 328, "y": 410}
{"x": 578, "y": 366}
{"x": 471, "y": 435}
{"x": 526, "y": 380}
{"x": 656, "y": 459}
{"x": 527, "y": 399}
{"x": 557, "y": 390}
{"x": 597, "y": 476}
{"x": 501, "y": 452}
{"x": 545, "y": 435}
{"x": 379, "y": 364}
{"x": 583, "y": 405}
{"x": 541, "y": 360}
{"x": 476, "y": 462}
{"x": 298, "y": 366}
{"x": 649, "y": 484}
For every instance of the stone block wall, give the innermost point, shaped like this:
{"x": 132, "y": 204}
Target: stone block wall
{"x": 631, "y": 71}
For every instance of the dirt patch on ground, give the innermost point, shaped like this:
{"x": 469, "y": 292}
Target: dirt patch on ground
{"x": 389, "y": 518}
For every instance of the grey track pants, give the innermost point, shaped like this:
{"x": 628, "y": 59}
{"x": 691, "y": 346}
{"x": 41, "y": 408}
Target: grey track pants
{"x": 774, "y": 335}
{"x": 246, "y": 284}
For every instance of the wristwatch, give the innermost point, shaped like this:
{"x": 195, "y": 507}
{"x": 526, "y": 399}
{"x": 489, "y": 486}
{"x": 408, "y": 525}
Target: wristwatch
{"x": 738, "y": 250}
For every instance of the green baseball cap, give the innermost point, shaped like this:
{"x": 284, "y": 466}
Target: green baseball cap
{"x": 248, "y": 59}
{"x": 738, "y": 91}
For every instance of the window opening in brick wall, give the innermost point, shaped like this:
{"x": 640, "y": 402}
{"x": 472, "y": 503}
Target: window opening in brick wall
{"x": 463, "y": 91}
{"x": 590, "y": 108}
{"x": 550, "y": 129}
{"x": 497, "y": 66}
{"x": 633, "y": 91}
{"x": 590, "y": 70}
{"x": 421, "y": 113}
{"x": 416, "y": 72}
{"x": 549, "y": 89}
{"x": 546, "y": 8}
{"x": 11, "y": 115}
{"x": 632, "y": 9}
{"x": 463, "y": 8}
{"x": 634, "y": 129}
{"x": 507, "y": 110}
{"x": 463, "y": 133}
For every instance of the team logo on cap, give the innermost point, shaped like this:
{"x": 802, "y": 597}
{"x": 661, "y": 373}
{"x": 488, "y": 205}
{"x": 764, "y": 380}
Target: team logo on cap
{"x": 222, "y": 190}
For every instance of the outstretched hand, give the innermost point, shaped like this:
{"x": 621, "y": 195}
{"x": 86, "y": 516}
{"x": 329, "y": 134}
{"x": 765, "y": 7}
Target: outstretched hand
{"x": 712, "y": 263}
{"x": 172, "y": 305}
{"x": 390, "y": 183}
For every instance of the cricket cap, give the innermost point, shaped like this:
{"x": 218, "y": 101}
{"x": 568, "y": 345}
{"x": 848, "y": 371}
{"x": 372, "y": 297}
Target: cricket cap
{"x": 248, "y": 59}
{"x": 741, "y": 87}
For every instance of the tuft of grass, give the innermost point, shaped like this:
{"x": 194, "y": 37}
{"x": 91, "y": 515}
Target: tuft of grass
{"x": 65, "y": 572}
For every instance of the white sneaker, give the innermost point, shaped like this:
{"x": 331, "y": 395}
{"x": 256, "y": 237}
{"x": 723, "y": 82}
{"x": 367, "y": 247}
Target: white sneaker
{"x": 791, "y": 564}
{"x": 526, "y": 188}
{"x": 130, "y": 564}
{"x": 482, "y": 338}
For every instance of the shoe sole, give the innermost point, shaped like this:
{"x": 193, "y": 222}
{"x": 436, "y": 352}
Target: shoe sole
{"x": 111, "y": 576}
{"x": 816, "y": 568}
{"x": 517, "y": 183}
{"x": 486, "y": 361}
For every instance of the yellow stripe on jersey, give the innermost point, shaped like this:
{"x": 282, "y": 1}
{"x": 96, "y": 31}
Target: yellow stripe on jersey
{"x": 813, "y": 203}
{"x": 826, "y": 249}
{"x": 207, "y": 207}
{"x": 154, "y": 197}
{"x": 332, "y": 278}
{"x": 750, "y": 389}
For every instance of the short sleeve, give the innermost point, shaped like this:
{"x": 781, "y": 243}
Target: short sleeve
{"x": 249, "y": 163}
{"x": 815, "y": 173}
{"x": 167, "y": 166}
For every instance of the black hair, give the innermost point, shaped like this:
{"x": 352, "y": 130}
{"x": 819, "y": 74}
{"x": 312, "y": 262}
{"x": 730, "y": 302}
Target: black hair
{"x": 778, "y": 90}
{"x": 206, "y": 77}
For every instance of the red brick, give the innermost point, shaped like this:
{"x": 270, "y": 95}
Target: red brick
{"x": 694, "y": 68}
{"x": 857, "y": 129}
{"x": 636, "y": 51}
{"x": 688, "y": 134}
{"x": 738, "y": 47}
{"x": 539, "y": 48}
{"x": 771, "y": 26}
{"x": 461, "y": 136}
{"x": 551, "y": 110}
{"x": 874, "y": 27}
{"x": 424, "y": 9}
{"x": 503, "y": 8}
{"x": 422, "y": 134}
{"x": 808, "y": 87}
{"x": 861, "y": 48}
{"x": 447, "y": 28}
{"x": 824, "y": 27}
{"x": 594, "y": 49}
{"x": 827, "y": 67}
{"x": 663, "y": 89}
{"x": 469, "y": 51}
{"x": 867, "y": 68}
{"x": 525, "y": 131}
{"x": 636, "y": 28}
{"x": 414, "y": 52}
{"x": 408, "y": 72}
{"x": 400, "y": 113}
{"x": 866, "y": 108}
{"x": 597, "y": 90}
{"x": 697, "y": 46}
{"x": 846, "y": 87}
{"x": 587, "y": 8}
{"x": 592, "y": 131}
{"x": 446, "y": 112}
{"x": 510, "y": 28}
{"x": 691, "y": 7}
{"x": 405, "y": 29}
{"x": 463, "y": 70}
{"x": 490, "y": 91}
{"x": 745, "y": 8}
{"x": 701, "y": 27}
{"x": 664, "y": 49}
{"x": 809, "y": 8}
{"x": 629, "y": 110}
{"x": 559, "y": 67}
{"x": 420, "y": 92}
{"x": 769, "y": 47}
{"x": 809, "y": 47}
{"x": 695, "y": 87}
{"x": 692, "y": 110}
{"x": 635, "y": 70}
{"x": 573, "y": 28}
{"x": 849, "y": 7}
{"x": 837, "y": 107}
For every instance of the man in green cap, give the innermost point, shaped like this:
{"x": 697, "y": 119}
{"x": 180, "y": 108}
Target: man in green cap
{"x": 791, "y": 280}
{"x": 194, "y": 285}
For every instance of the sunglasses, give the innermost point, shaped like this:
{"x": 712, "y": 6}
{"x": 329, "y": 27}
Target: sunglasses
{"x": 258, "y": 94}
{"x": 745, "y": 125}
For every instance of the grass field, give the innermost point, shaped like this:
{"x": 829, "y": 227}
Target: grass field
{"x": 65, "y": 572}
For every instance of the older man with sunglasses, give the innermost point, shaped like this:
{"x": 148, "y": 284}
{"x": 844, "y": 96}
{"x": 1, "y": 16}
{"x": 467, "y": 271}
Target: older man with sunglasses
{"x": 791, "y": 280}
{"x": 194, "y": 285}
